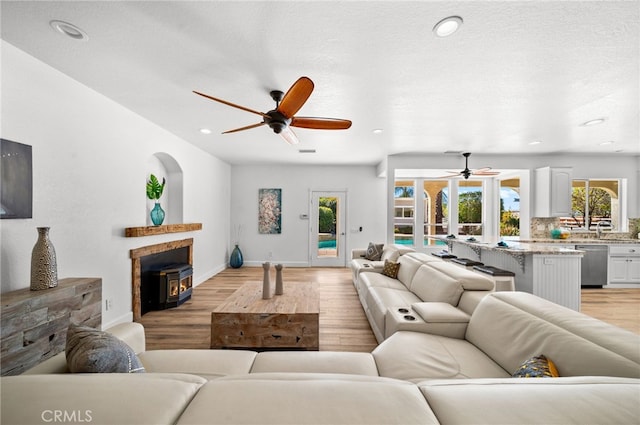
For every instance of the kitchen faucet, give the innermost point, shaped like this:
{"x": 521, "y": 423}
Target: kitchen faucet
{"x": 598, "y": 230}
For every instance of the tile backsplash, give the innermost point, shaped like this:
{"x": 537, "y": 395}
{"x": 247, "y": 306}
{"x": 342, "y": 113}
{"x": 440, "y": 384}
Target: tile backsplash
{"x": 541, "y": 227}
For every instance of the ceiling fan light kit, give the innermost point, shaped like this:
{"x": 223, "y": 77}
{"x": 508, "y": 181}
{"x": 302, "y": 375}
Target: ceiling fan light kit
{"x": 282, "y": 118}
{"x": 467, "y": 172}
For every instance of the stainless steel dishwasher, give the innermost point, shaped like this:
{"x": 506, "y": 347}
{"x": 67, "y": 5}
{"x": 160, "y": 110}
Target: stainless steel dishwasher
{"x": 594, "y": 265}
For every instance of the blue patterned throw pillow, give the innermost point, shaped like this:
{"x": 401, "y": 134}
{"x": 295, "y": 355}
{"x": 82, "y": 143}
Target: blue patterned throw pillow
{"x": 537, "y": 367}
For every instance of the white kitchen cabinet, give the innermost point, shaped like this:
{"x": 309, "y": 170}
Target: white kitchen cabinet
{"x": 624, "y": 264}
{"x": 553, "y": 187}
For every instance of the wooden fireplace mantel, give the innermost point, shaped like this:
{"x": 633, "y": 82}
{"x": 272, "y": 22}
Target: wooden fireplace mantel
{"x": 132, "y": 232}
{"x": 136, "y": 270}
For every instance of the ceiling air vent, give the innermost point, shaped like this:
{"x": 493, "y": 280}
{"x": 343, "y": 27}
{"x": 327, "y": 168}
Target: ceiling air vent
{"x": 307, "y": 150}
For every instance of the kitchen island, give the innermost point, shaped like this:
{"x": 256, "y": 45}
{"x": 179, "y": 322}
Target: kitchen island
{"x": 550, "y": 272}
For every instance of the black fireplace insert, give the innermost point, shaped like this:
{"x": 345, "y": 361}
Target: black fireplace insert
{"x": 166, "y": 287}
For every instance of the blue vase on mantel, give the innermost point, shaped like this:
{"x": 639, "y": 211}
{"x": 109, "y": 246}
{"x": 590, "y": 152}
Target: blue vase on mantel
{"x": 235, "y": 260}
{"x": 157, "y": 215}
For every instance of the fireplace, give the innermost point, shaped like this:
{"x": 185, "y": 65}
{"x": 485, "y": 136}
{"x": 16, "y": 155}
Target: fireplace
{"x": 166, "y": 287}
{"x": 146, "y": 259}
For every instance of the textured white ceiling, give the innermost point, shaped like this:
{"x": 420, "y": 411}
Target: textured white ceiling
{"x": 516, "y": 72}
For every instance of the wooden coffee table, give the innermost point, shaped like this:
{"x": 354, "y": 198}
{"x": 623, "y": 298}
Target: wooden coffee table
{"x": 289, "y": 321}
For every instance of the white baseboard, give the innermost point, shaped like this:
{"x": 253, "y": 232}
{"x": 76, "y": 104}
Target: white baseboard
{"x": 273, "y": 262}
{"x": 203, "y": 277}
{"x": 622, "y": 285}
{"x": 125, "y": 318}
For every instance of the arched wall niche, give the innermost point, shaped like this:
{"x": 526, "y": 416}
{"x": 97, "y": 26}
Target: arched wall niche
{"x": 161, "y": 164}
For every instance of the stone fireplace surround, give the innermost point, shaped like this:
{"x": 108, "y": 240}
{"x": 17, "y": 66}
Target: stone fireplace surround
{"x": 137, "y": 255}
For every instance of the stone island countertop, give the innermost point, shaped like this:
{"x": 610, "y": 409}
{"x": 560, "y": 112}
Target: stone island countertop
{"x": 512, "y": 246}
{"x": 580, "y": 241}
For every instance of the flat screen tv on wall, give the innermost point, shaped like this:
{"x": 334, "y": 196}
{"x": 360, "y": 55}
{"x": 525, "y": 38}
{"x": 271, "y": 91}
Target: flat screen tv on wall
{"x": 16, "y": 184}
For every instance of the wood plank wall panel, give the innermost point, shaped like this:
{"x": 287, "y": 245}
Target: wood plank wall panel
{"x": 33, "y": 324}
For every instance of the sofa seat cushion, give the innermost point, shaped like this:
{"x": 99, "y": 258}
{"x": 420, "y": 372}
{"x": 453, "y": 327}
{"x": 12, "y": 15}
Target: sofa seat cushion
{"x": 315, "y": 362}
{"x": 274, "y": 398}
{"x": 209, "y": 364}
{"x": 577, "y": 400}
{"x": 416, "y": 356}
{"x": 368, "y": 280}
{"x": 98, "y": 398}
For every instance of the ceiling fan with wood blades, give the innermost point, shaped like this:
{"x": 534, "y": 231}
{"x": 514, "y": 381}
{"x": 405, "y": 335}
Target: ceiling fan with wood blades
{"x": 283, "y": 116}
{"x": 466, "y": 173}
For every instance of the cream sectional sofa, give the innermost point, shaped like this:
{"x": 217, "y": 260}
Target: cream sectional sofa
{"x": 359, "y": 262}
{"x": 411, "y": 378}
{"x": 428, "y": 295}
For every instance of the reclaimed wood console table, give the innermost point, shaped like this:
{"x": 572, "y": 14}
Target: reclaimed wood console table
{"x": 34, "y": 323}
{"x": 289, "y": 321}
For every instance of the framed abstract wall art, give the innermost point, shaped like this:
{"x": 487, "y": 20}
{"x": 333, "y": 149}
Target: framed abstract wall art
{"x": 16, "y": 183}
{"x": 270, "y": 211}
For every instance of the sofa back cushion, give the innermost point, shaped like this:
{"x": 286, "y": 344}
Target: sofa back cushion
{"x": 390, "y": 253}
{"x": 470, "y": 280}
{"x": 511, "y": 327}
{"x": 408, "y": 268}
{"x": 424, "y": 258}
{"x": 432, "y": 285}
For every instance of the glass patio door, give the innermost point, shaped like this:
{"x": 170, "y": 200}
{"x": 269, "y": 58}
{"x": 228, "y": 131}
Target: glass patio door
{"x": 327, "y": 229}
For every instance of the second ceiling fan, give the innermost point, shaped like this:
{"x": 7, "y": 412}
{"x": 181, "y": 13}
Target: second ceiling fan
{"x": 283, "y": 116}
{"x": 466, "y": 173}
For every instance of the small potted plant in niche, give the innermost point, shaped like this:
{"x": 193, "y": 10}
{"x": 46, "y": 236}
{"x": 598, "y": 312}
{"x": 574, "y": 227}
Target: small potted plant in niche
{"x": 154, "y": 192}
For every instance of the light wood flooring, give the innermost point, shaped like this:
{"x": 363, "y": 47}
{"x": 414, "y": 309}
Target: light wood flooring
{"x": 343, "y": 324}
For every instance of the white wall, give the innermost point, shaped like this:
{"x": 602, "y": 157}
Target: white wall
{"x": 366, "y": 197}
{"x": 90, "y": 164}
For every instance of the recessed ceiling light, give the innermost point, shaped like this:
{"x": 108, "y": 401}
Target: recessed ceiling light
{"x": 205, "y": 131}
{"x": 592, "y": 122}
{"x": 69, "y": 30}
{"x": 535, "y": 142}
{"x": 447, "y": 26}
{"x": 377, "y": 130}
{"x": 608, "y": 142}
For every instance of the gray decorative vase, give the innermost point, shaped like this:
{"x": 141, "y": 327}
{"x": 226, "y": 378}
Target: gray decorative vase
{"x": 266, "y": 281}
{"x": 279, "y": 285}
{"x": 44, "y": 266}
